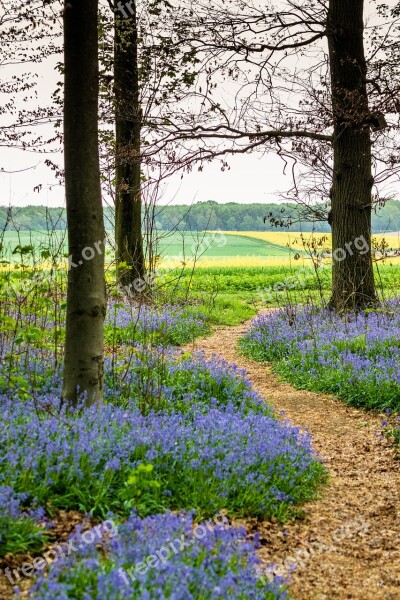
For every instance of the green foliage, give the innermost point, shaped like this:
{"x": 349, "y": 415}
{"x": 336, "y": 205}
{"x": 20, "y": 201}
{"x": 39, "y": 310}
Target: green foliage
{"x": 140, "y": 489}
{"x": 20, "y": 535}
{"x": 231, "y": 309}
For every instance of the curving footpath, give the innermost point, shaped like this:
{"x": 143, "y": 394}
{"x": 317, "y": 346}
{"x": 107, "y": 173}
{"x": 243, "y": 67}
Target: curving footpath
{"x": 348, "y": 543}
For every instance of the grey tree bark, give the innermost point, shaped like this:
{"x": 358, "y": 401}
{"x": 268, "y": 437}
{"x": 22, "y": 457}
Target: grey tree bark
{"x": 86, "y": 295}
{"x": 128, "y": 122}
{"x": 351, "y": 195}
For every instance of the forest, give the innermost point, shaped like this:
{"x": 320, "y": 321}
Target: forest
{"x": 199, "y": 401}
{"x": 202, "y": 216}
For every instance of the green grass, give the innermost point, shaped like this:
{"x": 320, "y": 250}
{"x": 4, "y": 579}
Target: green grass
{"x": 168, "y": 246}
{"x": 235, "y": 279}
{"x": 228, "y": 295}
{"x": 232, "y": 295}
{"x": 21, "y": 535}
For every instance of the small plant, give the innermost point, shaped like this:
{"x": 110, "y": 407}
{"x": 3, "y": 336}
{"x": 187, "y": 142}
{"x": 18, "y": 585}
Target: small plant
{"x": 391, "y": 428}
{"x": 139, "y": 488}
{"x": 21, "y": 529}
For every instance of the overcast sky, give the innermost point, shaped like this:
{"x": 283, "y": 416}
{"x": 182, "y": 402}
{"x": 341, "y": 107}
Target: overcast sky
{"x": 251, "y": 178}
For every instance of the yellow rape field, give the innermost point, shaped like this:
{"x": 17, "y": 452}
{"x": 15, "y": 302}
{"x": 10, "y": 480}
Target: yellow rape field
{"x": 288, "y": 239}
{"x": 238, "y": 261}
{"x": 293, "y": 239}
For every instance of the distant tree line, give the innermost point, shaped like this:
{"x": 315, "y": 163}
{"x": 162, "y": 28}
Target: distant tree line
{"x": 201, "y": 216}
{"x": 251, "y": 217}
{"x": 39, "y": 218}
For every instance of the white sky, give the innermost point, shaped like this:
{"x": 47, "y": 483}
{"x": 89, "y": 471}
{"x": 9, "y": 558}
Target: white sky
{"x": 251, "y": 178}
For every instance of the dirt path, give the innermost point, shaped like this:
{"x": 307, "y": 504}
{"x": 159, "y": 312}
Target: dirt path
{"x": 348, "y": 544}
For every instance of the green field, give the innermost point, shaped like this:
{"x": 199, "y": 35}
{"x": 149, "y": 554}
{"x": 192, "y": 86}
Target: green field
{"x": 30, "y": 244}
{"x": 216, "y": 245}
{"x": 168, "y": 245}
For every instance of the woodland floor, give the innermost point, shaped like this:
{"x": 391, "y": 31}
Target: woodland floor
{"x": 348, "y": 543}
{"x": 361, "y": 560}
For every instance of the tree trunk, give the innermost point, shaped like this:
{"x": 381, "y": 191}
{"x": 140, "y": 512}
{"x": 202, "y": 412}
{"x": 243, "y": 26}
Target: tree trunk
{"x": 128, "y": 118}
{"x": 353, "y": 285}
{"x": 86, "y": 296}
